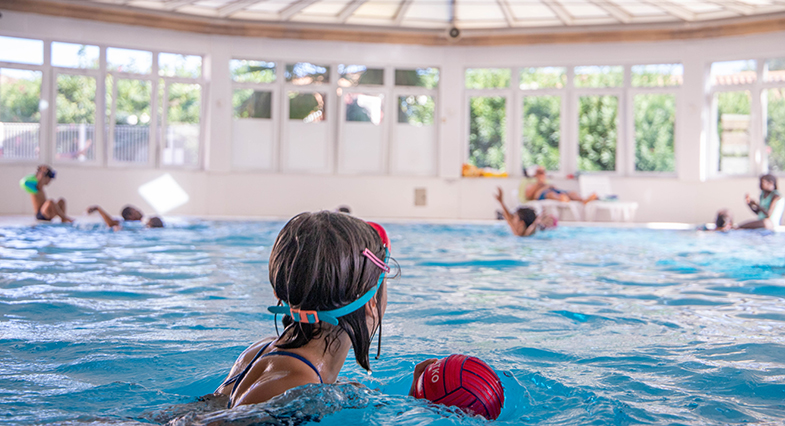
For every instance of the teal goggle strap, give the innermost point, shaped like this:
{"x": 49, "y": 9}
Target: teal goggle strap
{"x": 331, "y": 317}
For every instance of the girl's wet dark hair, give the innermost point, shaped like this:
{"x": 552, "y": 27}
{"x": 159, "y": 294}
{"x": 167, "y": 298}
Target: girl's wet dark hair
{"x": 527, "y": 215}
{"x": 317, "y": 264}
{"x": 771, "y": 178}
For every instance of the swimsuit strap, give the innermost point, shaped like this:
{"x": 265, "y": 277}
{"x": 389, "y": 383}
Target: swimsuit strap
{"x": 298, "y": 357}
{"x": 236, "y": 379}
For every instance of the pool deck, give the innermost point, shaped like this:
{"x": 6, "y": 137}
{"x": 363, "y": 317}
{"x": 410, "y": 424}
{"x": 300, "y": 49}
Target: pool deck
{"x": 19, "y": 220}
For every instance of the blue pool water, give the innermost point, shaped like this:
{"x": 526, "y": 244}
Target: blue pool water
{"x": 586, "y": 325}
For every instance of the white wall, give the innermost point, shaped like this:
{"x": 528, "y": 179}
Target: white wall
{"x": 221, "y": 189}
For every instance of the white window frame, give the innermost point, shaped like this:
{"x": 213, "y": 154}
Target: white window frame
{"x": 757, "y": 162}
{"x": 100, "y": 110}
{"x": 630, "y": 141}
{"x": 397, "y": 91}
{"x": 44, "y": 151}
{"x": 203, "y": 95}
{"x": 521, "y": 95}
{"x": 276, "y": 111}
{"x": 511, "y": 150}
{"x": 384, "y": 90}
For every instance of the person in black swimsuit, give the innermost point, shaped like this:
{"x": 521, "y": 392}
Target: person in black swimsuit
{"x": 328, "y": 272}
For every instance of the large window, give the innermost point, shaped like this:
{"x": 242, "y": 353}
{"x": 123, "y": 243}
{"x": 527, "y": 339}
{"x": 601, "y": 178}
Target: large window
{"x": 180, "y": 80}
{"x": 21, "y": 104}
{"x": 542, "y": 91}
{"x": 488, "y": 116}
{"x": 732, "y": 117}
{"x": 774, "y": 102}
{"x": 597, "y": 132}
{"x": 254, "y": 127}
{"x": 413, "y": 146}
{"x": 129, "y": 90}
{"x": 654, "y": 115}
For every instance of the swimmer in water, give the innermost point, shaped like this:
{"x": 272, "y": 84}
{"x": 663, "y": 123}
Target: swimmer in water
{"x": 129, "y": 214}
{"x": 525, "y": 221}
{"x": 328, "y": 272}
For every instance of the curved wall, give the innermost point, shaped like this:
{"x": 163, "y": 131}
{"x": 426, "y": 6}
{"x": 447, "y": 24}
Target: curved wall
{"x": 691, "y": 195}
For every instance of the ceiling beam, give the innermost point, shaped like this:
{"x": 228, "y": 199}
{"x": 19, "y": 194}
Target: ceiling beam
{"x": 613, "y": 10}
{"x": 401, "y": 12}
{"x": 176, "y": 4}
{"x": 507, "y": 11}
{"x": 736, "y": 6}
{"x": 294, "y": 9}
{"x": 235, "y": 7}
{"x": 349, "y": 10}
{"x": 673, "y": 9}
{"x": 560, "y": 11}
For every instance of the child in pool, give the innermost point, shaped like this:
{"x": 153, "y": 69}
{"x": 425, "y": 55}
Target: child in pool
{"x": 327, "y": 271}
{"x": 525, "y": 221}
{"x": 129, "y": 214}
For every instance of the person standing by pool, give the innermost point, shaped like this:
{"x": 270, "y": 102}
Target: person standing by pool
{"x": 45, "y": 209}
{"x": 542, "y": 190}
{"x": 770, "y": 207}
{"x": 525, "y": 221}
{"x": 327, "y": 271}
{"x": 129, "y": 214}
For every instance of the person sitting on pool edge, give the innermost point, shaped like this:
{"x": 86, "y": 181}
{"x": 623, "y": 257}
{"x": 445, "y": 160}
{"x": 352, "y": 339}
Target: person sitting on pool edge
{"x": 525, "y": 221}
{"x": 328, "y": 272}
{"x": 129, "y": 214}
{"x": 45, "y": 209}
{"x": 542, "y": 190}
{"x": 770, "y": 207}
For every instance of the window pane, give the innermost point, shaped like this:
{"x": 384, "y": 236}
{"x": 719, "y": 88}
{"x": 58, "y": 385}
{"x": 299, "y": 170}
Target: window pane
{"x": 657, "y": 75}
{"x": 654, "y": 120}
{"x": 543, "y": 78}
{"x": 775, "y": 69}
{"x": 597, "y": 133}
{"x": 182, "y": 125}
{"x": 75, "y": 118}
{"x": 541, "y": 131}
{"x": 733, "y": 127}
{"x": 249, "y": 103}
{"x": 420, "y": 77}
{"x": 252, "y": 71}
{"x": 20, "y": 100}
{"x": 775, "y": 128}
{"x": 356, "y": 75}
{"x": 22, "y": 50}
{"x": 488, "y": 78}
{"x": 70, "y": 55}
{"x": 126, "y": 60}
{"x": 132, "y": 121}
{"x": 416, "y": 110}
{"x": 303, "y": 73}
{"x": 308, "y": 107}
{"x": 599, "y": 76}
{"x": 733, "y": 72}
{"x": 364, "y": 108}
{"x": 487, "y": 131}
{"x": 175, "y": 65}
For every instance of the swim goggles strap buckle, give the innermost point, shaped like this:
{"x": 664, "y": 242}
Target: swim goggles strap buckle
{"x": 301, "y": 315}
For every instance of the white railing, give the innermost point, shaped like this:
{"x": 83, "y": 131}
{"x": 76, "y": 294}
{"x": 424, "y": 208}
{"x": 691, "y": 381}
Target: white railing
{"x": 75, "y": 142}
{"x": 131, "y": 143}
{"x": 19, "y": 140}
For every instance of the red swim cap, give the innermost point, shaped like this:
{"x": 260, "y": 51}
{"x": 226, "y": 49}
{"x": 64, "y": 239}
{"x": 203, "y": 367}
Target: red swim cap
{"x": 465, "y": 382}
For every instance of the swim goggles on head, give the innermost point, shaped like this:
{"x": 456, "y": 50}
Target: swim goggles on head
{"x": 331, "y": 316}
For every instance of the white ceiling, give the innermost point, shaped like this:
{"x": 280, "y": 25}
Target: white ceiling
{"x": 463, "y": 14}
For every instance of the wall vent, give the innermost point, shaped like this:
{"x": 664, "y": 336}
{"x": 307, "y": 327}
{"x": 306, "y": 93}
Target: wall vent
{"x": 419, "y": 197}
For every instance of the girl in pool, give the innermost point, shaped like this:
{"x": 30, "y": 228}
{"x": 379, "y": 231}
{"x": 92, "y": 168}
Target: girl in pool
{"x": 327, "y": 271}
{"x": 525, "y": 221}
{"x": 770, "y": 207}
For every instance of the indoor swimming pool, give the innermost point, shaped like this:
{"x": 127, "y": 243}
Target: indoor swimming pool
{"x": 586, "y": 325}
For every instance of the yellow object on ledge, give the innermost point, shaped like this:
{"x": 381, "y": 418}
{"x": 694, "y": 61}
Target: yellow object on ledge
{"x": 469, "y": 170}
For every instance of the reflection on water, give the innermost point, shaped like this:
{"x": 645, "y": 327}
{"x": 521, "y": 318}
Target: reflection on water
{"x": 588, "y": 326}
